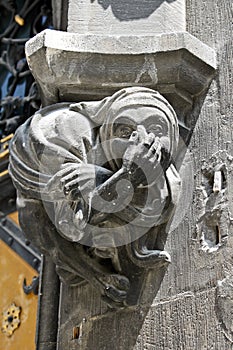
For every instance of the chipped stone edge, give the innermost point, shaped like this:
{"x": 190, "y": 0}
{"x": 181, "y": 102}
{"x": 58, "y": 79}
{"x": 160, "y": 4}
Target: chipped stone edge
{"x": 121, "y": 44}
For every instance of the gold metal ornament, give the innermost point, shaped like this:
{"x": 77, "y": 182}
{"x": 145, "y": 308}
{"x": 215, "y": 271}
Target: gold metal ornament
{"x": 11, "y": 319}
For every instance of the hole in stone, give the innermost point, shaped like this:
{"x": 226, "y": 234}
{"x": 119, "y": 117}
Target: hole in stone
{"x": 211, "y": 237}
{"x": 77, "y": 332}
{"x": 215, "y": 182}
{"x": 224, "y": 181}
{"x": 218, "y": 238}
{"x": 10, "y": 319}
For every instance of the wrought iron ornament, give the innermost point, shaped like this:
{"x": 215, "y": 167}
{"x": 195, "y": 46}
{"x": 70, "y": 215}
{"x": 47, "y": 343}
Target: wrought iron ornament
{"x": 20, "y": 20}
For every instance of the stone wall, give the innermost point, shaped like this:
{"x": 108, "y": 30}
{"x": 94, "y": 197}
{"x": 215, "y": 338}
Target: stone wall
{"x": 188, "y": 306}
{"x": 193, "y": 307}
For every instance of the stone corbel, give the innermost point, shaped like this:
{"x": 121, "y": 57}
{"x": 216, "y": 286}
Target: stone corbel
{"x": 105, "y": 70}
{"x": 97, "y": 188}
{"x": 80, "y": 67}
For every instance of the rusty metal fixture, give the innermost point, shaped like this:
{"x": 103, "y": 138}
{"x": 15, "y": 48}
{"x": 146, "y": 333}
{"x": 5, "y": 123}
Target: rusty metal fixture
{"x": 31, "y": 288}
{"x": 11, "y": 320}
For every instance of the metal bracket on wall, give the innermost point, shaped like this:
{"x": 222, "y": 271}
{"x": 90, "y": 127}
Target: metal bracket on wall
{"x": 12, "y": 235}
{"x": 31, "y": 288}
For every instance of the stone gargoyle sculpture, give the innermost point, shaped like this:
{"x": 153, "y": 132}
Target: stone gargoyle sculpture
{"x": 97, "y": 185}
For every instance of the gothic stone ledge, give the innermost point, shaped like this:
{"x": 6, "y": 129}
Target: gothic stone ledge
{"x": 82, "y": 67}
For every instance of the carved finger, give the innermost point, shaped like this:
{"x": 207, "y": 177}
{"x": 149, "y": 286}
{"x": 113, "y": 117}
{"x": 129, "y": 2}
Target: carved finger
{"x": 155, "y": 148}
{"x": 149, "y": 140}
{"x": 67, "y": 171}
{"x": 68, "y": 165}
{"x": 151, "y": 152}
{"x": 156, "y": 142}
{"x": 70, "y": 185}
{"x": 54, "y": 184}
{"x": 58, "y": 176}
{"x": 71, "y": 176}
{"x": 156, "y": 158}
{"x": 159, "y": 153}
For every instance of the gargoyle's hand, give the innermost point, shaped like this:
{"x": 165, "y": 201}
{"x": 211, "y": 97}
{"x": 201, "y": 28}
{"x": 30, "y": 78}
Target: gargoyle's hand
{"x": 78, "y": 180}
{"x": 142, "y": 159}
{"x": 71, "y": 181}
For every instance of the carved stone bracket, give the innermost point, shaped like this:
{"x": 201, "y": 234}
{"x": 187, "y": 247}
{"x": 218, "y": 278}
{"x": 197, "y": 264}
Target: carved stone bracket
{"x": 78, "y": 67}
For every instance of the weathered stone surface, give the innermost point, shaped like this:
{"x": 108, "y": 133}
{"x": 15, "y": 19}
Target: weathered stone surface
{"x": 186, "y": 321}
{"x": 126, "y": 17}
{"x": 193, "y": 307}
{"x": 85, "y": 67}
{"x": 102, "y": 180}
{"x": 185, "y": 313}
{"x": 123, "y": 325}
{"x": 60, "y": 14}
{"x": 224, "y": 305}
{"x": 215, "y": 210}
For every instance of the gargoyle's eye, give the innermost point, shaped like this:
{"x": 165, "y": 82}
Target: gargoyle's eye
{"x": 157, "y": 129}
{"x": 124, "y": 131}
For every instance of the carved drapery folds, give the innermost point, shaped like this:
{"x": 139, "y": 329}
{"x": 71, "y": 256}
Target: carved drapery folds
{"x": 97, "y": 186}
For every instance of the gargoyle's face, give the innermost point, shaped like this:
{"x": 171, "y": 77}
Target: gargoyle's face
{"x": 154, "y": 121}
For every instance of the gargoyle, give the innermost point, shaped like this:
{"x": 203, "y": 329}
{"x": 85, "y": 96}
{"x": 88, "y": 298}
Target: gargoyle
{"x": 97, "y": 184}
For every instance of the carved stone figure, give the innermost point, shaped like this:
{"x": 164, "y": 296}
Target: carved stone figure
{"x": 97, "y": 185}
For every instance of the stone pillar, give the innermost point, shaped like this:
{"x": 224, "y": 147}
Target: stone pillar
{"x": 101, "y": 17}
{"x": 115, "y": 44}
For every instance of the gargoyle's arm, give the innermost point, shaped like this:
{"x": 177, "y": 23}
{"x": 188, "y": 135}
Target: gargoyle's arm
{"x": 114, "y": 194}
